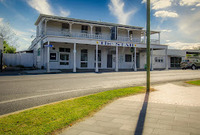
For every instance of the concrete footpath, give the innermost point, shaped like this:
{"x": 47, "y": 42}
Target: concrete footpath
{"x": 174, "y": 109}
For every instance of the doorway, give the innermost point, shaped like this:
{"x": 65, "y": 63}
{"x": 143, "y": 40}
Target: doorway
{"x": 109, "y": 61}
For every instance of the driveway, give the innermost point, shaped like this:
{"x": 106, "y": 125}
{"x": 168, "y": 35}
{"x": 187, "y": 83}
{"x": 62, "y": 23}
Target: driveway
{"x": 174, "y": 109}
{"x": 26, "y": 91}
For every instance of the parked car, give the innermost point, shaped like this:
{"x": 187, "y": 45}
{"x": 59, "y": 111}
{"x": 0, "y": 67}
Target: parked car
{"x": 190, "y": 63}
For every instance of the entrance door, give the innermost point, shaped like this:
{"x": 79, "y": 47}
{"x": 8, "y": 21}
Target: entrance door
{"x": 109, "y": 61}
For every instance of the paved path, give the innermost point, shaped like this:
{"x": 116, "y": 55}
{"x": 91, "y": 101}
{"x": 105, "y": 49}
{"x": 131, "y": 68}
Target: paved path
{"x": 172, "y": 110}
{"x": 26, "y": 91}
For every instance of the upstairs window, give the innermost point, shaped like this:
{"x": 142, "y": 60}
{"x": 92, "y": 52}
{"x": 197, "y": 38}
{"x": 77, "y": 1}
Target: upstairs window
{"x": 65, "y": 26}
{"x": 84, "y": 29}
{"x": 97, "y": 30}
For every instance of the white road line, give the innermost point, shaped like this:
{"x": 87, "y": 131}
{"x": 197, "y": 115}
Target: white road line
{"x": 8, "y": 101}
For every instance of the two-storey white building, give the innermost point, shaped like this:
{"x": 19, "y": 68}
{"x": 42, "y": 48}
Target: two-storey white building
{"x": 91, "y": 45}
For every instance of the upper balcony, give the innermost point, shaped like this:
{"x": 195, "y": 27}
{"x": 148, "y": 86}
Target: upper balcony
{"x": 74, "y": 28}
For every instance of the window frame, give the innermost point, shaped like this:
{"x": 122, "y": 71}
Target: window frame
{"x": 66, "y": 51}
{"x": 130, "y": 58}
{"x": 85, "y": 60}
{"x": 84, "y": 29}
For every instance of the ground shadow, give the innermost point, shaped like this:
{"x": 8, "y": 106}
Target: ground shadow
{"x": 142, "y": 116}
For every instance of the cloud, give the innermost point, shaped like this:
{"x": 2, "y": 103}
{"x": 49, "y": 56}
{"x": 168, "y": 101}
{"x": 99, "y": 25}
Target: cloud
{"x": 189, "y": 25}
{"x": 1, "y": 20}
{"x": 189, "y": 2}
{"x": 64, "y": 13}
{"x": 159, "y": 4}
{"x": 44, "y": 7}
{"x": 165, "y": 14}
{"x": 116, "y": 7}
{"x": 182, "y": 45}
{"x": 166, "y": 30}
{"x": 198, "y": 5}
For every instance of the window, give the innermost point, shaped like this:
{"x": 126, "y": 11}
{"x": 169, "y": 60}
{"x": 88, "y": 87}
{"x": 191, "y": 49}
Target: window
{"x": 52, "y": 56}
{"x": 128, "y": 58}
{"x": 38, "y": 51}
{"x": 175, "y": 62}
{"x": 64, "y": 49}
{"x": 84, "y": 57}
{"x": 97, "y": 30}
{"x": 84, "y": 29}
{"x": 65, "y": 26}
{"x": 159, "y": 59}
{"x": 99, "y": 58}
{"x": 64, "y": 59}
{"x": 64, "y": 56}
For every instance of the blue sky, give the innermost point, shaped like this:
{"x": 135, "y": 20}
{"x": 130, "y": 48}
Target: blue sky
{"x": 178, "y": 20}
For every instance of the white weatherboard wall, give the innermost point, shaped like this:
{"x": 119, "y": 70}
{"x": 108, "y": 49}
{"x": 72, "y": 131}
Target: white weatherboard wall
{"x": 91, "y": 56}
{"x": 25, "y": 59}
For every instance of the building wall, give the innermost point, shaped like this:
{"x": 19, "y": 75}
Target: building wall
{"x": 91, "y": 56}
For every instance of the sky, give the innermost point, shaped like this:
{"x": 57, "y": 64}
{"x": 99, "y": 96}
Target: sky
{"x": 178, "y": 20}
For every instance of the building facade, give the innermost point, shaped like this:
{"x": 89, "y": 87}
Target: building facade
{"x": 71, "y": 44}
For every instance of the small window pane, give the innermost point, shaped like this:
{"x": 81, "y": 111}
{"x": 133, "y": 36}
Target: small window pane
{"x": 83, "y": 64}
{"x": 64, "y": 57}
{"x": 97, "y": 30}
{"x": 84, "y": 29}
{"x": 64, "y": 63}
{"x": 128, "y": 58}
{"x": 84, "y": 56}
{"x": 64, "y": 49}
{"x": 65, "y": 26}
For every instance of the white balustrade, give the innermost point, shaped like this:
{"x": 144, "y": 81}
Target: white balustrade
{"x": 86, "y": 35}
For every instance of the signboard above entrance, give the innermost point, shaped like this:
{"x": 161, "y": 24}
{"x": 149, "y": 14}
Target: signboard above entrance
{"x": 48, "y": 45}
{"x": 108, "y": 43}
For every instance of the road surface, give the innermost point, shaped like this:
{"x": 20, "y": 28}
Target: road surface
{"x": 26, "y": 91}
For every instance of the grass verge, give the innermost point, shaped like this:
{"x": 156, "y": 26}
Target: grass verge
{"x": 196, "y": 82}
{"x": 49, "y": 118}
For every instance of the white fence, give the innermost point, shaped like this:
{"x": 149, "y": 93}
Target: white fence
{"x": 24, "y": 59}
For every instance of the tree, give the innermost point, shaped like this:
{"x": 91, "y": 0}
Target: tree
{"x": 8, "y": 35}
{"x": 8, "y": 48}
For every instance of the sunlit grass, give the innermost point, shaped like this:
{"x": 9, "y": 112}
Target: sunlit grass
{"x": 197, "y": 82}
{"x": 49, "y": 118}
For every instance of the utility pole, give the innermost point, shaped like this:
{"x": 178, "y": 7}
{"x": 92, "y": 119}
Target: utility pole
{"x": 148, "y": 45}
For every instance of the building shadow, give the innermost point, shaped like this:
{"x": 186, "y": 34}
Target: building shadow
{"x": 141, "y": 120}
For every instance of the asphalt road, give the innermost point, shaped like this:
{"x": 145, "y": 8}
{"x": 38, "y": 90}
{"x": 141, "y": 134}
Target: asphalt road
{"x": 26, "y": 91}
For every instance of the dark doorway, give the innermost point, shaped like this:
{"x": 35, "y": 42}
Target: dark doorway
{"x": 138, "y": 60}
{"x": 175, "y": 62}
{"x": 109, "y": 61}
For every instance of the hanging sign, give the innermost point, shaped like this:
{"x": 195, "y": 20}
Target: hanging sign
{"x": 48, "y": 45}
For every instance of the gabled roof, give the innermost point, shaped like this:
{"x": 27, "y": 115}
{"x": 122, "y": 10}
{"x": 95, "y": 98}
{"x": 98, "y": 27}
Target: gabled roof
{"x": 84, "y": 21}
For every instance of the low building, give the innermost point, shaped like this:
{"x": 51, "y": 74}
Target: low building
{"x": 68, "y": 43}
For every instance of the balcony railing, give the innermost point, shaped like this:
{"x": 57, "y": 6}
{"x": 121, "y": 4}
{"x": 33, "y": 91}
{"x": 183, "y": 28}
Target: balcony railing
{"x": 98, "y": 36}
{"x": 80, "y": 35}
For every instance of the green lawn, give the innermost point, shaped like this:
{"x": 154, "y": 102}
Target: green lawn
{"x": 49, "y": 118}
{"x": 197, "y": 82}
